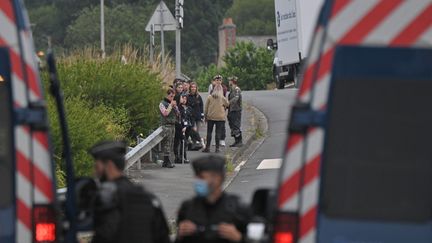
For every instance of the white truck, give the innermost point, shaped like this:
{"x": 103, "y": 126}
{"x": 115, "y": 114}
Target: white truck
{"x": 295, "y": 20}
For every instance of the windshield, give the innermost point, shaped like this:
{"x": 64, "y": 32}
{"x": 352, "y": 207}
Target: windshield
{"x": 6, "y": 162}
{"x": 378, "y": 156}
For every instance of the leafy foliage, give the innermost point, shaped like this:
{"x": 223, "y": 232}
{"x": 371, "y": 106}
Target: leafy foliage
{"x": 124, "y": 24}
{"x": 200, "y": 33}
{"x": 104, "y": 99}
{"x": 251, "y": 64}
{"x": 253, "y": 17}
{"x": 74, "y": 24}
{"x": 133, "y": 87}
{"x": 87, "y": 125}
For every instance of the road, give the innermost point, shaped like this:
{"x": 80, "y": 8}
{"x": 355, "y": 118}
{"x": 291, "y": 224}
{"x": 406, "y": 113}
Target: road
{"x": 275, "y": 105}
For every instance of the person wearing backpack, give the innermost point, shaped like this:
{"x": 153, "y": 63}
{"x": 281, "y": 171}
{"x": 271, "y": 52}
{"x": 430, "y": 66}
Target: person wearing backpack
{"x": 123, "y": 212}
{"x": 212, "y": 216}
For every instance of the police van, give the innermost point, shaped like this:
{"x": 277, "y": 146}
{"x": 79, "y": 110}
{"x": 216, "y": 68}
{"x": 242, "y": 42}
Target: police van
{"x": 29, "y": 211}
{"x": 358, "y": 162}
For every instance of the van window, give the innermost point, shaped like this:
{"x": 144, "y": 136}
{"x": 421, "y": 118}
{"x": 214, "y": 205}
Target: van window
{"x": 6, "y": 156}
{"x": 377, "y": 162}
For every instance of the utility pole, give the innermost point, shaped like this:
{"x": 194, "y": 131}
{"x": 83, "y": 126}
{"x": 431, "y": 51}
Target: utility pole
{"x": 102, "y": 29}
{"x": 152, "y": 43}
{"x": 162, "y": 38}
{"x": 179, "y": 17}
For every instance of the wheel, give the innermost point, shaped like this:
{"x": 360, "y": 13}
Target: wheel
{"x": 281, "y": 84}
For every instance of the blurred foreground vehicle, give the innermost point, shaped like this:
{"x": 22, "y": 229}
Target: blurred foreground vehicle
{"x": 29, "y": 210}
{"x": 358, "y": 163}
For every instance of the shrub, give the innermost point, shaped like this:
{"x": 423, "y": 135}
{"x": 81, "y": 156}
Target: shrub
{"x": 134, "y": 87}
{"x": 105, "y": 99}
{"x": 87, "y": 125}
{"x": 251, "y": 64}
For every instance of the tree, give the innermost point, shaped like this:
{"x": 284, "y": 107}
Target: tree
{"x": 123, "y": 24}
{"x": 253, "y": 17}
{"x": 200, "y": 33}
{"x": 251, "y": 64}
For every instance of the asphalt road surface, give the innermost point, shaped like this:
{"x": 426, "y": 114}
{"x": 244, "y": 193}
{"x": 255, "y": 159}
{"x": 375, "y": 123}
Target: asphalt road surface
{"x": 261, "y": 169}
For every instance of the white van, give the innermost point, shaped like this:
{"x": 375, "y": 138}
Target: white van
{"x": 358, "y": 162}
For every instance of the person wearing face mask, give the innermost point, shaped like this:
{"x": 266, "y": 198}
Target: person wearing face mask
{"x": 212, "y": 216}
{"x": 124, "y": 212}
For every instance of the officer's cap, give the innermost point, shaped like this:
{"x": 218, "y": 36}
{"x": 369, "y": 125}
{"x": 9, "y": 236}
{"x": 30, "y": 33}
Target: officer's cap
{"x": 209, "y": 163}
{"x": 110, "y": 150}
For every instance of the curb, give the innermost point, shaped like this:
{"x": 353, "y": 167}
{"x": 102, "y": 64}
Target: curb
{"x": 237, "y": 158}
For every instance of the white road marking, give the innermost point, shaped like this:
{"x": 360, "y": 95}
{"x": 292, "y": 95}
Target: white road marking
{"x": 268, "y": 164}
{"x": 237, "y": 169}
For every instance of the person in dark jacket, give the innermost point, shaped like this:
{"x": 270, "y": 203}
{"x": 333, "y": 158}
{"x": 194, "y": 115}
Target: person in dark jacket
{"x": 212, "y": 216}
{"x": 178, "y": 91}
{"x": 234, "y": 112}
{"x": 117, "y": 218}
{"x": 183, "y": 129}
{"x": 195, "y": 102}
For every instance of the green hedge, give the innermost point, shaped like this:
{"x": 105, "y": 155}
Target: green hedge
{"x": 133, "y": 87}
{"x": 104, "y": 99}
{"x": 251, "y": 64}
{"x": 87, "y": 125}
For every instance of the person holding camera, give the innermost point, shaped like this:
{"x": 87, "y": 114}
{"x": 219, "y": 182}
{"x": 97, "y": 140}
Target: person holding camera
{"x": 212, "y": 216}
{"x": 169, "y": 114}
{"x": 123, "y": 212}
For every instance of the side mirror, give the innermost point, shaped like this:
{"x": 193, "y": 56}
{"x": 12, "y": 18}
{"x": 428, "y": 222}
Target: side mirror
{"x": 271, "y": 45}
{"x": 262, "y": 201}
{"x": 257, "y": 230}
{"x": 85, "y": 195}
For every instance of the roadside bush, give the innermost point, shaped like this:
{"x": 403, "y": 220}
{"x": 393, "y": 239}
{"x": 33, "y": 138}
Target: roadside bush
{"x": 252, "y": 65}
{"x": 105, "y": 99}
{"x": 134, "y": 87}
{"x": 87, "y": 125}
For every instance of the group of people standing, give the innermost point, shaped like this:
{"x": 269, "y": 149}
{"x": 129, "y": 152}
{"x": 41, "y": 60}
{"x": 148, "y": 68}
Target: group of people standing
{"x": 215, "y": 112}
{"x": 183, "y": 112}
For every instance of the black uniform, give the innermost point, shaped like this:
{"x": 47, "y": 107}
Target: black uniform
{"x": 184, "y": 121}
{"x": 195, "y": 102}
{"x": 126, "y": 213}
{"x": 207, "y": 217}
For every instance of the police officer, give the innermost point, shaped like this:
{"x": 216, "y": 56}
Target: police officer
{"x": 169, "y": 114}
{"x": 124, "y": 212}
{"x": 212, "y": 216}
{"x": 234, "y": 112}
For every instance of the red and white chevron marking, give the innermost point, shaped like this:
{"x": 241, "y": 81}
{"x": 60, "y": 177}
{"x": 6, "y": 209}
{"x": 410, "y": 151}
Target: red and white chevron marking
{"x": 34, "y": 175}
{"x": 358, "y": 22}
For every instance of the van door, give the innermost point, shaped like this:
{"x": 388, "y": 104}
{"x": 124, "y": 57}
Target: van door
{"x": 7, "y": 198}
{"x": 376, "y": 170}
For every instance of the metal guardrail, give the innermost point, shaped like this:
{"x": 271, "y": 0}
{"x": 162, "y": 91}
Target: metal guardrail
{"x": 133, "y": 156}
{"x": 144, "y": 147}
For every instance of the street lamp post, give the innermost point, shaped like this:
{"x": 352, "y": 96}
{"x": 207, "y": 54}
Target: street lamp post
{"x": 179, "y": 18}
{"x": 102, "y": 29}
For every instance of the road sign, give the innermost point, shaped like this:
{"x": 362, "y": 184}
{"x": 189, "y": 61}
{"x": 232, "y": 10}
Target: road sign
{"x": 162, "y": 19}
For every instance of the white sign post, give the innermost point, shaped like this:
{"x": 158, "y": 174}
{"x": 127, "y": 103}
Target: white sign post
{"x": 162, "y": 20}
